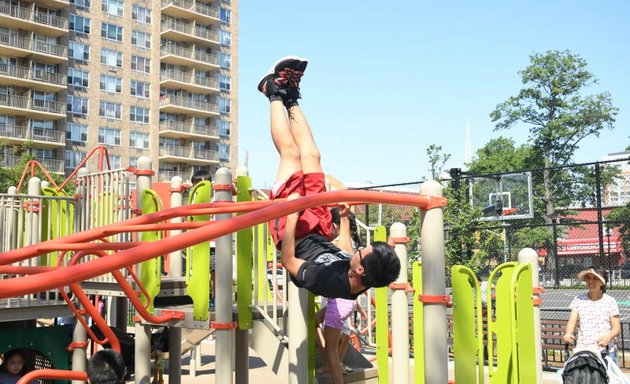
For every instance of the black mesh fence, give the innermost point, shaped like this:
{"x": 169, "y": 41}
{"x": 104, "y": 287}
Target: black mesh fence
{"x": 573, "y": 216}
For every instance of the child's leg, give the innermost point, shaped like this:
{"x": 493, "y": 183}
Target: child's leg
{"x": 301, "y": 131}
{"x": 284, "y": 142}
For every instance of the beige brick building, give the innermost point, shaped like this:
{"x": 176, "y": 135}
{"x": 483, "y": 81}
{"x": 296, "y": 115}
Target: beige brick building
{"x": 154, "y": 78}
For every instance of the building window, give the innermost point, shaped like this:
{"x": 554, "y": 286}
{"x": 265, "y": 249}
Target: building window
{"x": 169, "y": 142}
{"x": 111, "y": 58}
{"x": 79, "y": 24}
{"x": 110, "y": 110}
{"x": 139, "y": 140}
{"x": 224, "y": 82}
{"x": 224, "y": 105}
{"x": 113, "y": 7}
{"x": 74, "y": 158}
{"x": 109, "y": 136}
{"x": 42, "y": 124}
{"x": 78, "y": 105}
{"x": 133, "y": 161}
{"x": 223, "y": 127}
{"x": 141, "y": 39}
{"x": 78, "y": 78}
{"x": 111, "y": 31}
{"x": 225, "y": 15}
{"x": 81, "y": 3}
{"x": 140, "y": 14}
{"x": 223, "y": 151}
{"x": 224, "y": 60}
{"x": 76, "y": 132}
{"x": 225, "y": 37}
{"x": 111, "y": 84}
{"x": 78, "y": 51}
{"x": 114, "y": 161}
{"x": 140, "y": 64}
{"x": 140, "y": 88}
{"x": 139, "y": 115}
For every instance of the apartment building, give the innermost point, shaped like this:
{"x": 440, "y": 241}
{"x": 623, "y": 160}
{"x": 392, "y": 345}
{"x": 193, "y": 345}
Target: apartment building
{"x": 154, "y": 78}
{"x": 618, "y": 193}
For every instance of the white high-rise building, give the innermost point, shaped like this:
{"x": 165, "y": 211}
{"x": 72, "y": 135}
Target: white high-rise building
{"x": 618, "y": 193}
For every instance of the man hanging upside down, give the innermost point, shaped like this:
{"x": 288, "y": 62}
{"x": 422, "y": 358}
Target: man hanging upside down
{"x": 303, "y": 238}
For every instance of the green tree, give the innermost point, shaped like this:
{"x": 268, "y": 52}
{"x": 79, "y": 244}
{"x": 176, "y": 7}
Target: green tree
{"x": 10, "y": 176}
{"x": 558, "y": 116}
{"x": 502, "y": 155}
{"x": 621, "y": 217}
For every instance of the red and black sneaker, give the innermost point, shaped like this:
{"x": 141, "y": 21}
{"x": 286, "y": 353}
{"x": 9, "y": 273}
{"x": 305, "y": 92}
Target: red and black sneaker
{"x": 283, "y": 80}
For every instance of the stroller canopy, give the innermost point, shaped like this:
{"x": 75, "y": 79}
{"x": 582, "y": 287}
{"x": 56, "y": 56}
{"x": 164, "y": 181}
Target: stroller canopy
{"x": 585, "y": 367}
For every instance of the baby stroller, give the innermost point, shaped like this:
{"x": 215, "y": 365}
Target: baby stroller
{"x": 585, "y": 367}
{"x": 591, "y": 367}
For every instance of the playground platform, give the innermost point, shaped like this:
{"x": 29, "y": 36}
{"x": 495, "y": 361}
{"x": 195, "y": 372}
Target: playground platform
{"x": 259, "y": 373}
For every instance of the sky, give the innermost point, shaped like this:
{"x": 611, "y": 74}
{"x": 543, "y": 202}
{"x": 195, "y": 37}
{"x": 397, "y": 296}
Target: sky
{"x": 386, "y": 79}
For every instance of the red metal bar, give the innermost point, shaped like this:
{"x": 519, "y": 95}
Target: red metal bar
{"x": 81, "y": 272}
{"x": 57, "y": 374}
{"x": 17, "y": 270}
{"x": 31, "y": 165}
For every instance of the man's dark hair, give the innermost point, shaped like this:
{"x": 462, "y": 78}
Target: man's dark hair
{"x": 200, "y": 175}
{"x": 106, "y": 367}
{"x": 381, "y": 266}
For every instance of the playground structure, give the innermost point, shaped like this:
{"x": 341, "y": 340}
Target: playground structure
{"x": 97, "y": 245}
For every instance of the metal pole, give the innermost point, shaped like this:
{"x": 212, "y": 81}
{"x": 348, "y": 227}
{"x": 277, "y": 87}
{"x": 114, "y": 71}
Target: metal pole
{"x": 79, "y": 362}
{"x": 400, "y": 312}
{"x": 298, "y": 335}
{"x": 528, "y": 255}
{"x": 434, "y": 284}
{"x": 223, "y": 277}
{"x": 174, "y": 355}
{"x": 142, "y": 347}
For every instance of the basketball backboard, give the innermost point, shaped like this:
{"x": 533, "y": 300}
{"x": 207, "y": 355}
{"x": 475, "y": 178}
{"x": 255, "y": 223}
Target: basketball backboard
{"x": 503, "y": 196}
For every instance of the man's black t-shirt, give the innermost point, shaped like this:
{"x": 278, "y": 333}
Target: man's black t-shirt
{"x": 325, "y": 271}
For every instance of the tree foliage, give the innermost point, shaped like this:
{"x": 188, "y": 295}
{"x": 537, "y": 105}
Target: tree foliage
{"x": 10, "y": 176}
{"x": 551, "y": 105}
{"x": 621, "y": 216}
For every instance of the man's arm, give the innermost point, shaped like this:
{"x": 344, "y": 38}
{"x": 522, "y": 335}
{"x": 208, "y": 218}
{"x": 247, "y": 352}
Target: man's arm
{"x": 345, "y": 240}
{"x": 287, "y": 251}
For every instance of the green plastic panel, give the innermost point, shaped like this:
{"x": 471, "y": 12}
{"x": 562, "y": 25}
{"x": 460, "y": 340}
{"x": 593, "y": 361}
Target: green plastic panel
{"x": 244, "y": 260}
{"x": 151, "y": 270}
{"x": 382, "y": 321}
{"x": 198, "y": 258}
{"x": 467, "y": 325}
{"x": 523, "y": 331}
{"x": 418, "y": 324}
{"x": 500, "y": 328}
{"x": 57, "y": 221}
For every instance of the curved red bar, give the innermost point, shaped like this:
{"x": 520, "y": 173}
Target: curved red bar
{"x": 58, "y": 374}
{"x": 76, "y": 273}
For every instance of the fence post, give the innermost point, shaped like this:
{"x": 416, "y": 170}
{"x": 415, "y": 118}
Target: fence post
{"x": 434, "y": 284}
{"x": 400, "y": 309}
{"x": 528, "y": 255}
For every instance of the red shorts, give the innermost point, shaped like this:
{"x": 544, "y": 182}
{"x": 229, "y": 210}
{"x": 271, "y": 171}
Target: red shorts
{"x": 312, "y": 221}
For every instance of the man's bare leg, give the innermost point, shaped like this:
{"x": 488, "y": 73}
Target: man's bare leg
{"x": 303, "y": 137}
{"x": 284, "y": 142}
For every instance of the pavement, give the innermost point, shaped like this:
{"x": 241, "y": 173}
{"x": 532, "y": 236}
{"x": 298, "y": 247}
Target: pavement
{"x": 260, "y": 373}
